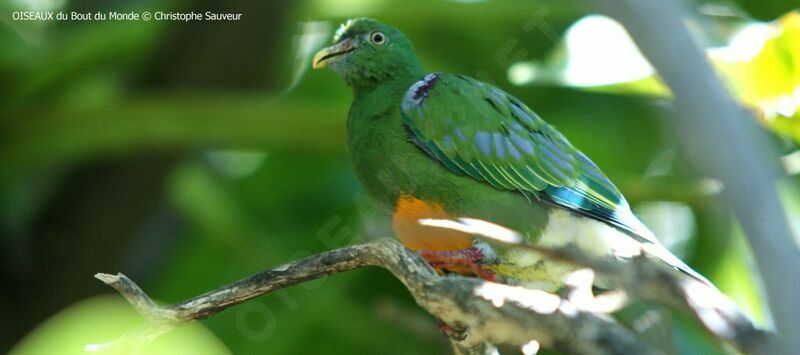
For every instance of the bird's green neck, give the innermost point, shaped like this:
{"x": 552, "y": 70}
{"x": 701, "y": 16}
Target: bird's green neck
{"x": 370, "y": 78}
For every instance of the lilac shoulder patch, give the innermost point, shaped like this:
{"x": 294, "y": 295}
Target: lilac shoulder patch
{"x": 418, "y": 92}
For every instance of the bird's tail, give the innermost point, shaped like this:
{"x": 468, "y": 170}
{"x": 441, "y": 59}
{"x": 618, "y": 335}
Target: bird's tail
{"x": 718, "y": 313}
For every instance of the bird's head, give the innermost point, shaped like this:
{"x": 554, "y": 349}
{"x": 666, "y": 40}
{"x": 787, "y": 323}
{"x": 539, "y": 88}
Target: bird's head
{"x": 366, "y": 52}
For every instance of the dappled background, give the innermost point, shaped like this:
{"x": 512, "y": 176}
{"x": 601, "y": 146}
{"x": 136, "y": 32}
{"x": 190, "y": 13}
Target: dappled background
{"x": 190, "y": 154}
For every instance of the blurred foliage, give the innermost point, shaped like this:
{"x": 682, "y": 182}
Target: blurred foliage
{"x": 189, "y": 155}
{"x": 760, "y": 63}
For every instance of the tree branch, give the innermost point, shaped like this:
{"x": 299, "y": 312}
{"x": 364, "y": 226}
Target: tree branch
{"x": 491, "y": 313}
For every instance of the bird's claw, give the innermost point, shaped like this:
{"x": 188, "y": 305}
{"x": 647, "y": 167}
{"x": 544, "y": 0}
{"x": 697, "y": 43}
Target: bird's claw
{"x": 457, "y": 332}
{"x": 466, "y": 261}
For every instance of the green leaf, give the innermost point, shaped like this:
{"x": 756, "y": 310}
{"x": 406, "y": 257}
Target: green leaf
{"x": 99, "y": 320}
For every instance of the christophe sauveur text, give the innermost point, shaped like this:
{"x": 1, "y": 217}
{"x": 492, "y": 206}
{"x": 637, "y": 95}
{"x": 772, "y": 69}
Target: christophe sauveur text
{"x": 123, "y": 16}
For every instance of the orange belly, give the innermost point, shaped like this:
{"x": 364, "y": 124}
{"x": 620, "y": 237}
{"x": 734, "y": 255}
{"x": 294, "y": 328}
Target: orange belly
{"x": 409, "y": 210}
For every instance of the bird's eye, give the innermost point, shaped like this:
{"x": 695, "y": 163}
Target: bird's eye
{"x": 377, "y": 37}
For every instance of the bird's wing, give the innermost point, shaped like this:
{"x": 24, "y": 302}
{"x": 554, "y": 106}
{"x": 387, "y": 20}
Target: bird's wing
{"x": 478, "y": 130}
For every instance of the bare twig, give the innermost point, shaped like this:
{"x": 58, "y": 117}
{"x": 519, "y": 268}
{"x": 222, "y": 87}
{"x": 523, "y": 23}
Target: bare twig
{"x": 722, "y": 140}
{"x": 491, "y": 313}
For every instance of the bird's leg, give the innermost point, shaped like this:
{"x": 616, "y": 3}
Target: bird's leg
{"x": 465, "y": 261}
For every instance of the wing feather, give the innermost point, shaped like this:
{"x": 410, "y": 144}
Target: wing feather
{"x": 478, "y": 130}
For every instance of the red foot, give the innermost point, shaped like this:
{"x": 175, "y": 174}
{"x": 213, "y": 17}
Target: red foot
{"x": 466, "y": 261}
{"x": 457, "y": 333}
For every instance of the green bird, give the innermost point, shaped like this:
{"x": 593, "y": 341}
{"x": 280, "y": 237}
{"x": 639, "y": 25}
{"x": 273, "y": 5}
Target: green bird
{"x": 446, "y": 146}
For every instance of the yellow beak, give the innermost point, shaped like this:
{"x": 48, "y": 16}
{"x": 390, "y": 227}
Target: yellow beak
{"x": 333, "y": 53}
